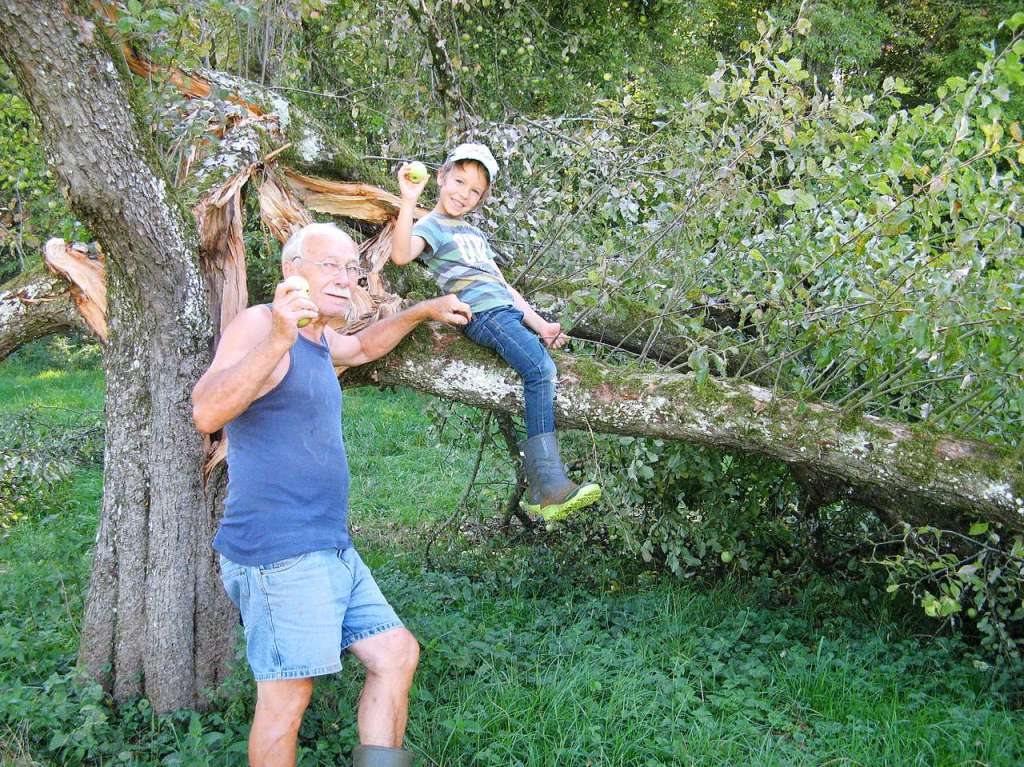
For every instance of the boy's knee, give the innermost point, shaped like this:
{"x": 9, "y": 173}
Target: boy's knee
{"x": 543, "y": 369}
{"x": 549, "y": 369}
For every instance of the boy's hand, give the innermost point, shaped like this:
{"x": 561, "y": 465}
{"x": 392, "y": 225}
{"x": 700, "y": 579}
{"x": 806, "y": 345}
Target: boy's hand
{"x": 410, "y": 191}
{"x": 552, "y": 336}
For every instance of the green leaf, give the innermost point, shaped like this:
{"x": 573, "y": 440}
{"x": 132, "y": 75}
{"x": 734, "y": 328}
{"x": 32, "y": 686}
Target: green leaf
{"x": 978, "y": 528}
{"x": 786, "y": 196}
{"x": 967, "y": 571}
{"x": 1016, "y": 21}
{"x": 806, "y": 201}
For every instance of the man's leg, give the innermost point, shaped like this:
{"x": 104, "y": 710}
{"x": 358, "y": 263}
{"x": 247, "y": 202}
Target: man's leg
{"x": 390, "y": 659}
{"x": 280, "y": 705}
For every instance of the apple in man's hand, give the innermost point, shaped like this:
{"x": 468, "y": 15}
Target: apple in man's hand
{"x": 300, "y": 284}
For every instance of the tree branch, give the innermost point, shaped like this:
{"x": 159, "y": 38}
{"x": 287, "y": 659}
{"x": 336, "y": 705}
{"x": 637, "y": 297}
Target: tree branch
{"x": 915, "y": 474}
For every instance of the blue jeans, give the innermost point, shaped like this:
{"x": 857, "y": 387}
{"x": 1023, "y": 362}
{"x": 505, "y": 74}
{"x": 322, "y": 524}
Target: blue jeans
{"x": 502, "y": 330}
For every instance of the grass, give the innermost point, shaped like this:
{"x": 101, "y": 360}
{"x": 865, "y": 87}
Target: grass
{"x": 523, "y": 664}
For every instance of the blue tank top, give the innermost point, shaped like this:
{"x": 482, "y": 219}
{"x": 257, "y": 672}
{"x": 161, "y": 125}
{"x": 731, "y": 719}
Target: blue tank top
{"x": 287, "y": 470}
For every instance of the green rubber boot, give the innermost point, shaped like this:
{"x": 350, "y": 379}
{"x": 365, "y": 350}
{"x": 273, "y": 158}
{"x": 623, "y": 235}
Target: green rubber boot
{"x": 551, "y": 494}
{"x": 381, "y": 756}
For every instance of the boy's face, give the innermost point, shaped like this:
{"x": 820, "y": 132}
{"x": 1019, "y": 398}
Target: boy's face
{"x": 461, "y": 189}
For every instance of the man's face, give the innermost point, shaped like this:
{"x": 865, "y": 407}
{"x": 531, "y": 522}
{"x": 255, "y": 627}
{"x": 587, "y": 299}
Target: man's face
{"x": 461, "y": 189}
{"x": 327, "y": 262}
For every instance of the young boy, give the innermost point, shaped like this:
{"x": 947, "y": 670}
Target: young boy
{"x": 458, "y": 256}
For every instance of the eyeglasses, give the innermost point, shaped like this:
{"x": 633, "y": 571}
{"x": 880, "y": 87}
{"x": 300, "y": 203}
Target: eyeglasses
{"x": 331, "y": 268}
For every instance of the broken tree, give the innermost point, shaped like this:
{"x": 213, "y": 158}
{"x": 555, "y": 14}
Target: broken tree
{"x": 156, "y": 620}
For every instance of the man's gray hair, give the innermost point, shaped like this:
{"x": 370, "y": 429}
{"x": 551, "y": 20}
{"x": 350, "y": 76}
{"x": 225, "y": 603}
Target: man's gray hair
{"x": 293, "y": 248}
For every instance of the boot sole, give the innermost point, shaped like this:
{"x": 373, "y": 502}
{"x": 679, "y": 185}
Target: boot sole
{"x": 555, "y": 512}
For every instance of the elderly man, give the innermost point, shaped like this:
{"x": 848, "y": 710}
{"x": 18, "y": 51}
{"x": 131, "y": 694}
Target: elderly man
{"x": 286, "y": 558}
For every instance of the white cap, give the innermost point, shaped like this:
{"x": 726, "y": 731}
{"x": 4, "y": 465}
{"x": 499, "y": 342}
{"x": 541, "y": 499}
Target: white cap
{"x": 477, "y": 152}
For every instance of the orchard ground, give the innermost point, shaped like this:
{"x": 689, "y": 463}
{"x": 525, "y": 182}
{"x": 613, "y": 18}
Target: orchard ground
{"x": 532, "y": 654}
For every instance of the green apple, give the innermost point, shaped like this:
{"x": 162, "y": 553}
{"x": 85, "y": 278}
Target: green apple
{"x": 300, "y": 284}
{"x": 726, "y": 557}
{"x": 417, "y": 172}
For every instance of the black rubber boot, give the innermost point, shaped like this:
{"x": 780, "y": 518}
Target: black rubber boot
{"x": 381, "y": 756}
{"x": 552, "y": 494}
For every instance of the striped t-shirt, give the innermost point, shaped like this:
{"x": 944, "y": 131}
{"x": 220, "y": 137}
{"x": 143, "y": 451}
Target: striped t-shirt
{"x": 461, "y": 261}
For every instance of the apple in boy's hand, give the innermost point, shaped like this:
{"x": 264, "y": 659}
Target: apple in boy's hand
{"x": 300, "y": 284}
{"x": 417, "y": 172}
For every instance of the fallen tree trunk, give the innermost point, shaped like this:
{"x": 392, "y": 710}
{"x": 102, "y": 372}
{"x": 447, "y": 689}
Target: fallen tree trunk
{"x": 906, "y": 473}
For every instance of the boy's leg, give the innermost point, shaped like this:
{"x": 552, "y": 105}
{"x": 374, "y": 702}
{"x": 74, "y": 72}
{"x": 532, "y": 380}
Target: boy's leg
{"x": 551, "y": 494}
{"x": 502, "y": 330}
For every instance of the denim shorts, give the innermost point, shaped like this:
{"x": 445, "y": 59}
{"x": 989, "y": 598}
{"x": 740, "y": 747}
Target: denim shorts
{"x": 300, "y": 614}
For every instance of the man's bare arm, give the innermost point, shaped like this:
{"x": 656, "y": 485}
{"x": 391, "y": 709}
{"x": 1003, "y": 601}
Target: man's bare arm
{"x": 381, "y": 337}
{"x": 250, "y": 349}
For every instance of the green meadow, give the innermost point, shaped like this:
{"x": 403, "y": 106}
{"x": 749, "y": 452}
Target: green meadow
{"x": 529, "y": 656}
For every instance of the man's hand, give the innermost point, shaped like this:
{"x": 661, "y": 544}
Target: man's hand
{"x": 291, "y": 304}
{"x": 552, "y": 336}
{"x": 409, "y": 190}
{"x": 448, "y": 309}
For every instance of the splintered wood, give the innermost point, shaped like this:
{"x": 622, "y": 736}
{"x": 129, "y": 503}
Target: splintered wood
{"x": 82, "y": 265}
{"x": 359, "y": 201}
{"x": 222, "y": 250}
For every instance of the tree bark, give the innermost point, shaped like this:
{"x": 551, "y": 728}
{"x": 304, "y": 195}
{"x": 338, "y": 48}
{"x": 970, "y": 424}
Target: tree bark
{"x": 33, "y": 305}
{"x": 155, "y": 621}
{"x": 918, "y": 476}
